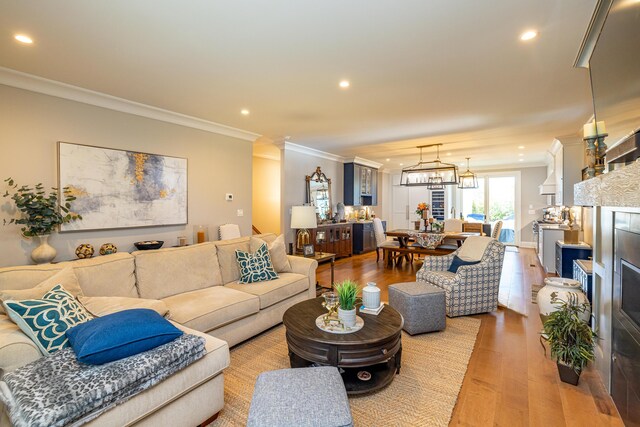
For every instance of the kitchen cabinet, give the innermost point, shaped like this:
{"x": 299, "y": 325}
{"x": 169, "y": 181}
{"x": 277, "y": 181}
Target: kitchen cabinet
{"x": 583, "y": 273}
{"x": 364, "y": 237}
{"x": 566, "y": 253}
{"x": 333, "y": 238}
{"x": 360, "y": 185}
{"x": 548, "y": 237}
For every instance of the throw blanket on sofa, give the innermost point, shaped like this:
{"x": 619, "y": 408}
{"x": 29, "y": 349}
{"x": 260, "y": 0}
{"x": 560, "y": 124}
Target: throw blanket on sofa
{"x": 57, "y": 390}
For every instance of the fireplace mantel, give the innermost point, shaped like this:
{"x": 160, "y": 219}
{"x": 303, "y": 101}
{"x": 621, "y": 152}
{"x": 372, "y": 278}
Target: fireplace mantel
{"x": 619, "y": 188}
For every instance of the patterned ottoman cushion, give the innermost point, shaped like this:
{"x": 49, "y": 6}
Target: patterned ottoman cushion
{"x": 422, "y": 306}
{"x": 300, "y": 397}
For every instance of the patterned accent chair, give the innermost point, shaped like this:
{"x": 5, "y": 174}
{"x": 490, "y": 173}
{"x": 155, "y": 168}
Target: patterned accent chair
{"x": 474, "y": 288}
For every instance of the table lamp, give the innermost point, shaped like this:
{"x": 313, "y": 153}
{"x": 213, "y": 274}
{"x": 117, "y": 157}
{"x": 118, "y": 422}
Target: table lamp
{"x": 303, "y": 218}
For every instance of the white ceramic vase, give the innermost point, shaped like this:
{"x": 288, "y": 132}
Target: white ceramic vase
{"x": 371, "y": 296}
{"x": 347, "y": 317}
{"x": 44, "y": 253}
{"x": 562, "y": 287}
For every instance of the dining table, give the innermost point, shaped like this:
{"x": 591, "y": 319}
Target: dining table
{"x": 407, "y": 249}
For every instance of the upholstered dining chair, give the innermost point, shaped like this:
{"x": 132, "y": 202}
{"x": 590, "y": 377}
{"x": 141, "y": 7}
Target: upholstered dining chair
{"x": 497, "y": 228}
{"x": 472, "y": 288}
{"x": 382, "y": 241}
{"x": 453, "y": 225}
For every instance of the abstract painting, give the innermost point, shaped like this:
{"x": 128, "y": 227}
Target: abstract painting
{"x": 121, "y": 189}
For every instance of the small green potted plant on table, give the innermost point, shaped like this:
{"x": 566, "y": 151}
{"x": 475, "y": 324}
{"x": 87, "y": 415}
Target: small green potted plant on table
{"x": 348, "y": 296}
{"x": 41, "y": 215}
{"x": 571, "y": 339}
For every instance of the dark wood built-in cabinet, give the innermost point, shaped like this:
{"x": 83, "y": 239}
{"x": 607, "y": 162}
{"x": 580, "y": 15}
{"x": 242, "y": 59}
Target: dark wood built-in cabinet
{"x": 360, "y": 185}
{"x": 333, "y": 238}
{"x": 364, "y": 238}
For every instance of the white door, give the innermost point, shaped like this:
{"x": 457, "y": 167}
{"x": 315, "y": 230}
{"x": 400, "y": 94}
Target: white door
{"x": 400, "y": 207}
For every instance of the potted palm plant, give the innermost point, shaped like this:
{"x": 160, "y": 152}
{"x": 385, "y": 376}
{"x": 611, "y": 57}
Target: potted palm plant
{"x": 41, "y": 214}
{"x": 570, "y": 338}
{"x": 348, "y": 296}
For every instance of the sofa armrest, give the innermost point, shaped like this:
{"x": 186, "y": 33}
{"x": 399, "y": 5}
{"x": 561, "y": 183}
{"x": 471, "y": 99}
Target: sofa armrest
{"x": 306, "y": 267}
{"x": 16, "y": 349}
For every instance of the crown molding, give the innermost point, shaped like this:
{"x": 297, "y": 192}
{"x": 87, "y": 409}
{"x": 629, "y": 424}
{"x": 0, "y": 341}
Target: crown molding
{"x": 590, "y": 39}
{"x": 364, "y": 162}
{"x": 267, "y": 156}
{"x": 290, "y": 146}
{"x": 38, "y": 84}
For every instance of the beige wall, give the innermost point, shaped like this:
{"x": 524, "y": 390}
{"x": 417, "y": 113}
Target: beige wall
{"x": 32, "y": 123}
{"x": 266, "y": 195}
{"x": 530, "y": 198}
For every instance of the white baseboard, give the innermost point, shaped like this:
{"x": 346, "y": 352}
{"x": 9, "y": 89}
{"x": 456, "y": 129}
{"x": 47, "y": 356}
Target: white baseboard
{"x": 531, "y": 245}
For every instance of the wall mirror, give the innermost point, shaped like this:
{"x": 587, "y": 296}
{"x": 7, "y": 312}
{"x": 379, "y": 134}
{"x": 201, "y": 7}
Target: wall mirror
{"x": 319, "y": 194}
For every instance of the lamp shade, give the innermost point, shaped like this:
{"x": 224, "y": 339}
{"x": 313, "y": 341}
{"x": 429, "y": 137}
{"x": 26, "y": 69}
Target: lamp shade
{"x": 303, "y": 217}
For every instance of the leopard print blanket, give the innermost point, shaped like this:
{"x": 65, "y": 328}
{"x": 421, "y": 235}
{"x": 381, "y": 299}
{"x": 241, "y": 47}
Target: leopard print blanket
{"x": 57, "y": 390}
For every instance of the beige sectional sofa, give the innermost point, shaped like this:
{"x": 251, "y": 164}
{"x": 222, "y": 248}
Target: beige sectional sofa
{"x": 199, "y": 286}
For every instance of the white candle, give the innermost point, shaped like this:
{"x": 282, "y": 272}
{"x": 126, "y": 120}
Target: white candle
{"x": 600, "y": 129}
{"x": 589, "y": 130}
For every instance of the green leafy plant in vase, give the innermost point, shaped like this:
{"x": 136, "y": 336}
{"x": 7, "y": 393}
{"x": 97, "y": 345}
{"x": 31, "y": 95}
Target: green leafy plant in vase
{"x": 571, "y": 339}
{"x": 41, "y": 214}
{"x": 347, "y": 291}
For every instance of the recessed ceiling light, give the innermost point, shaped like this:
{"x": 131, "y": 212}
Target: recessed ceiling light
{"x": 388, "y": 160}
{"x": 401, "y": 164}
{"x": 448, "y": 154}
{"x": 520, "y": 154}
{"x": 521, "y": 160}
{"x": 344, "y": 84}
{"x": 528, "y": 35}
{"x": 244, "y": 112}
{"x": 520, "y": 147}
{"x": 23, "y": 39}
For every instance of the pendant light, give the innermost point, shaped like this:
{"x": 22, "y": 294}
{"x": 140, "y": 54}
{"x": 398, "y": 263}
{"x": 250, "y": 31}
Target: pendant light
{"x": 468, "y": 179}
{"x": 433, "y": 175}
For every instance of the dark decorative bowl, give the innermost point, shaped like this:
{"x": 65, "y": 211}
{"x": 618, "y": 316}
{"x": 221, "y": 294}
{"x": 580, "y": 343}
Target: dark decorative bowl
{"x": 149, "y": 244}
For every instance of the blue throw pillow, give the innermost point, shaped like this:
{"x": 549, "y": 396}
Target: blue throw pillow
{"x": 119, "y": 335}
{"x": 46, "y": 320}
{"x": 256, "y": 267}
{"x": 459, "y": 262}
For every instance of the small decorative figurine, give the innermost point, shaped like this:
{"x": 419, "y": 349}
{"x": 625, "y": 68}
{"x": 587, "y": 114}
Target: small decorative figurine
{"x": 108, "y": 249}
{"x": 85, "y": 250}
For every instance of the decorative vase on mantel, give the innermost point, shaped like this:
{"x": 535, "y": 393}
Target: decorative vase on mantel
{"x": 44, "y": 253}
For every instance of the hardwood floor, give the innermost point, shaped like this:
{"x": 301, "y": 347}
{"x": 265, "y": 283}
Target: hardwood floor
{"x": 509, "y": 381}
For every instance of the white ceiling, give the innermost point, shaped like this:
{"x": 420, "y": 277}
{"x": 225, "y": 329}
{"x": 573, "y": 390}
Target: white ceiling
{"x": 447, "y": 71}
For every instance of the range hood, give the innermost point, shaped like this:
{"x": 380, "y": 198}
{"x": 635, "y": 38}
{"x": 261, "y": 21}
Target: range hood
{"x": 548, "y": 187}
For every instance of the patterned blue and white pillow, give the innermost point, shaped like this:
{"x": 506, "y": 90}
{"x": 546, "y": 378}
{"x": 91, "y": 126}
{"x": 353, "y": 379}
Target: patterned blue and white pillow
{"x": 46, "y": 320}
{"x": 256, "y": 267}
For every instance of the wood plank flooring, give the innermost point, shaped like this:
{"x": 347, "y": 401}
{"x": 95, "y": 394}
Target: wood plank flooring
{"x": 509, "y": 381}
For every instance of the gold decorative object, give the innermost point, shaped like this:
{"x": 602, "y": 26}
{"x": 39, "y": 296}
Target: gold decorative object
{"x": 108, "y": 249}
{"x": 85, "y": 250}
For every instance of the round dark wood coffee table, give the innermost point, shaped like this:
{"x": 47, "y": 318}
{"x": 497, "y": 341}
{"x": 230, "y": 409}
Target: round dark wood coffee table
{"x": 376, "y": 348}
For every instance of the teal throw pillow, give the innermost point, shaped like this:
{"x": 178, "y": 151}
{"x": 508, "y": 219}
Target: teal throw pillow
{"x": 46, "y": 320}
{"x": 256, "y": 267}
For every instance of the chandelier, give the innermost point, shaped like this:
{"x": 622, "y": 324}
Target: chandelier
{"x": 433, "y": 175}
{"x": 468, "y": 179}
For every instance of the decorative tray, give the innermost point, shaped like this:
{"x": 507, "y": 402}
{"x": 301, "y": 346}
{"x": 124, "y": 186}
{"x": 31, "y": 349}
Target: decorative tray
{"x": 335, "y": 327}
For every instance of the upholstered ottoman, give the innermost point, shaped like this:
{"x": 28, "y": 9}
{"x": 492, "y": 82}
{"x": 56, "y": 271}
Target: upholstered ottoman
{"x": 300, "y": 397}
{"x": 422, "y": 306}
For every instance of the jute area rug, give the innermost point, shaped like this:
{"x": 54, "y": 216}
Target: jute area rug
{"x": 423, "y": 394}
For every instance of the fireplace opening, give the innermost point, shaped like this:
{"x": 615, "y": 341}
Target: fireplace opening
{"x": 630, "y": 298}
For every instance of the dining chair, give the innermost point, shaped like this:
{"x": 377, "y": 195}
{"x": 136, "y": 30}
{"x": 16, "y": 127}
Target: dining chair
{"x": 497, "y": 228}
{"x": 472, "y": 227}
{"x": 382, "y": 241}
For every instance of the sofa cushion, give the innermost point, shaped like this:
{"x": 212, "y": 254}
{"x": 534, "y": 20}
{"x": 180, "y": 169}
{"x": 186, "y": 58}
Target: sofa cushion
{"x": 211, "y": 308}
{"x": 277, "y": 252}
{"x": 16, "y": 349}
{"x": 64, "y": 277}
{"x": 274, "y": 291}
{"x": 165, "y": 272}
{"x": 442, "y": 279}
{"x": 101, "y": 306}
{"x": 106, "y": 276}
{"x": 119, "y": 335}
{"x": 256, "y": 267}
{"x": 227, "y": 257}
{"x": 46, "y": 320}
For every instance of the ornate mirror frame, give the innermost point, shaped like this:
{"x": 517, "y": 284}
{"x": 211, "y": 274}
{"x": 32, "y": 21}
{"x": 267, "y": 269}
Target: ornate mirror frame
{"x": 317, "y": 182}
